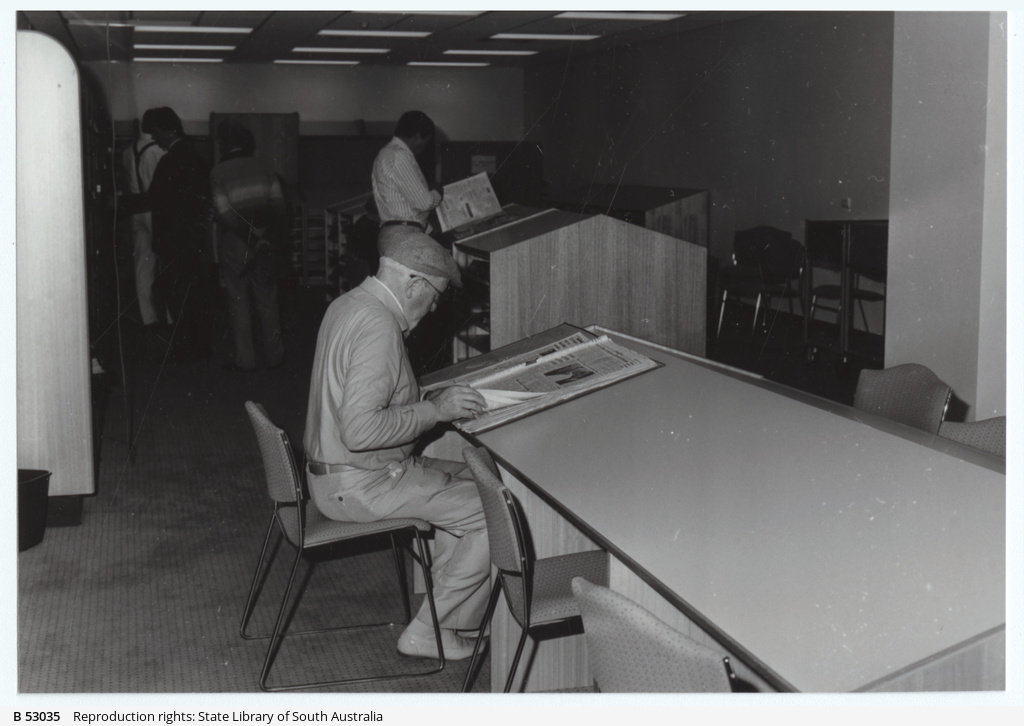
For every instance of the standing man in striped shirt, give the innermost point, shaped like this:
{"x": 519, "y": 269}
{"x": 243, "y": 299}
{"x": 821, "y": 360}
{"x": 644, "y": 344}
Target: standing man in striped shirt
{"x": 250, "y": 210}
{"x": 400, "y": 190}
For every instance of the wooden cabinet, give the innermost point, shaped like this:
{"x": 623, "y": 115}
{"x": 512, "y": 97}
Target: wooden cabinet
{"x": 562, "y": 267}
{"x": 681, "y": 213}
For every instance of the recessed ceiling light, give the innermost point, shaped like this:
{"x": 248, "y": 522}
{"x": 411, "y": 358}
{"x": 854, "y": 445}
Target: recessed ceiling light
{"x": 341, "y": 50}
{"x": 490, "y": 52}
{"x": 467, "y": 13}
{"x": 450, "y": 64}
{"x": 542, "y": 36}
{"x": 377, "y": 33}
{"x": 98, "y": 23}
{"x": 187, "y": 29}
{"x": 318, "y": 62}
{"x": 178, "y": 60}
{"x": 588, "y": 15}
{"x": 159, "y": 46}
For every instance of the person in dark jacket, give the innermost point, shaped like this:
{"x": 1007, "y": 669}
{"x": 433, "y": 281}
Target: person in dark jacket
{"x": 179, "y": 198}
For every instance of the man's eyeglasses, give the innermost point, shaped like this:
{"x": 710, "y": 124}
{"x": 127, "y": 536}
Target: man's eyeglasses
{"x": 441, "y": 294}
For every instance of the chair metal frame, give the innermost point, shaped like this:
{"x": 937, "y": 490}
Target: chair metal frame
{"x": 483, "y": 465}
{"x": 756, "y": 273}
{"x": 293, "y": 523}
{"x": 865, "y": 257}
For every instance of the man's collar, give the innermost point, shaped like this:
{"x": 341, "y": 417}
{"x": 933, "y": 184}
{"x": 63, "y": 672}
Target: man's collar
{"x": 401, "y": 142}
{"x": 384, "y": 293}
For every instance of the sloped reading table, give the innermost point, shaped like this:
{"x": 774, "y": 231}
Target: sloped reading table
{"x": 823, "y": 548}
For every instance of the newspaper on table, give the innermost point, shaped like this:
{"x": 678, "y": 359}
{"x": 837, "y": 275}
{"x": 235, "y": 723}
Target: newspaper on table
{"x": 467, "y": 200}
{"x": 542, "y": 378}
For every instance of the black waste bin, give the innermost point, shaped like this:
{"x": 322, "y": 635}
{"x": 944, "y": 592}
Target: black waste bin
{"x": 33, "y": 493}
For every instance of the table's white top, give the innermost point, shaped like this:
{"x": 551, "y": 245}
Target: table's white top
{"x": 834, "y": 547}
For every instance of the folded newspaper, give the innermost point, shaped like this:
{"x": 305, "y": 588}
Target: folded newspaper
{"x": 539, "y": 379}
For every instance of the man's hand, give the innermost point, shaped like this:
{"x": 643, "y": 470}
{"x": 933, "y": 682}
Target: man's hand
{"x": 457, "y": 402}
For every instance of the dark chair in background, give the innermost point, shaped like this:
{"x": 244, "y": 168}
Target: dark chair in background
{"x": 782, "y": 264}
{"x": 988, "y": 434}
{"x": 631, "y": 651}
{"x": 909, "y": 393}
{"x": 866, "y": 259}
{"x": 301, "y": 524}
{"x": 766, "y": 262}
{"x": 538, "y": 592}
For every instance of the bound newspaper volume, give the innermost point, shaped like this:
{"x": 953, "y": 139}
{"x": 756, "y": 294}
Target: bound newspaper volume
{"x": 539, "y": 379}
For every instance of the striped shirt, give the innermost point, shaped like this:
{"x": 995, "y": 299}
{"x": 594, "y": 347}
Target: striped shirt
{"x": 242, "y": 185}
{"x": 399, "y": 188}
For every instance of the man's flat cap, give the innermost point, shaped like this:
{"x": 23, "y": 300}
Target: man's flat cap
{"x": 420, "y": 253}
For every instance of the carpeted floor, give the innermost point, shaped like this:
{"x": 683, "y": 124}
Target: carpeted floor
{"x": 146, "y": 593}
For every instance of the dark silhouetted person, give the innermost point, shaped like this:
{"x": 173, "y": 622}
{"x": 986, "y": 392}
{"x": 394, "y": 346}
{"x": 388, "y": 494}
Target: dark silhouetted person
{"x": 179, "y": 198}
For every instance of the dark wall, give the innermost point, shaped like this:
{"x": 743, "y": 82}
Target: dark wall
{"x": 780, "y": 116}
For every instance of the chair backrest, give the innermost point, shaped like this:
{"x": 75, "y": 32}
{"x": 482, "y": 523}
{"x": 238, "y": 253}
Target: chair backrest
{"x": 988, "y": 434}
{"x": 631, "y": 651}
{"x": 283, "y": 483}
{"x": 824, "y": 240}
{"x": 748, "y": 245}
{"x": 504, "y": 528}
{"x": 869, "y": 250}
{"x": 782, "y": 260}
{"x": 909, "y": 393}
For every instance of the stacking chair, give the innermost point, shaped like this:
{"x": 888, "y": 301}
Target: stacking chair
{"x": 866, "y": 260}
{"x": 988, "y": 434}
{"x": 301, "y": 524}
{"x": 538, "y": 592}
{"x": 765, "y": 263}
{"x": 782, "y": 264}
{"x": 909, "y": 393}
{"x": 631, "y": 651}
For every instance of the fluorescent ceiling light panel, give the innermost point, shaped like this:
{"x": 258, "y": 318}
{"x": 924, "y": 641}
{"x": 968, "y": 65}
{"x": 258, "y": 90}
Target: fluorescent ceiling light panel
{"x": 98, "y": 23}
{"x": 377, "y": 33}
{"x": 450, "y": 64}
{"x": 647, "y": 17}
{"x": 467, "y": 13}
{"x": 159, "y": 46}
{"x": 179, "y": 60}
{"x": 187, "y": 29}
{"x": 490, "y": 52}
{"x": 341, "y": 50}
{"x": 541, "y": 36}
{"x": 319, "y": 62}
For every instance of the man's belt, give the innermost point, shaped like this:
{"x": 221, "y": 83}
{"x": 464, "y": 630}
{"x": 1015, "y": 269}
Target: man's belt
{"x": 394, "y": 468}
{"x": 315, "y": 467}
{"x": 402, "y": 222}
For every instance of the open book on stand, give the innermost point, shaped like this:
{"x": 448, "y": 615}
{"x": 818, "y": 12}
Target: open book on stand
{"x": 467, "y": 200}
{"x": 470, "y": 207}
{"x": 532, "y": 381}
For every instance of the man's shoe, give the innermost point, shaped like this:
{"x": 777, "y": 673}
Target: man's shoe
{"x": 411, "y": 645}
